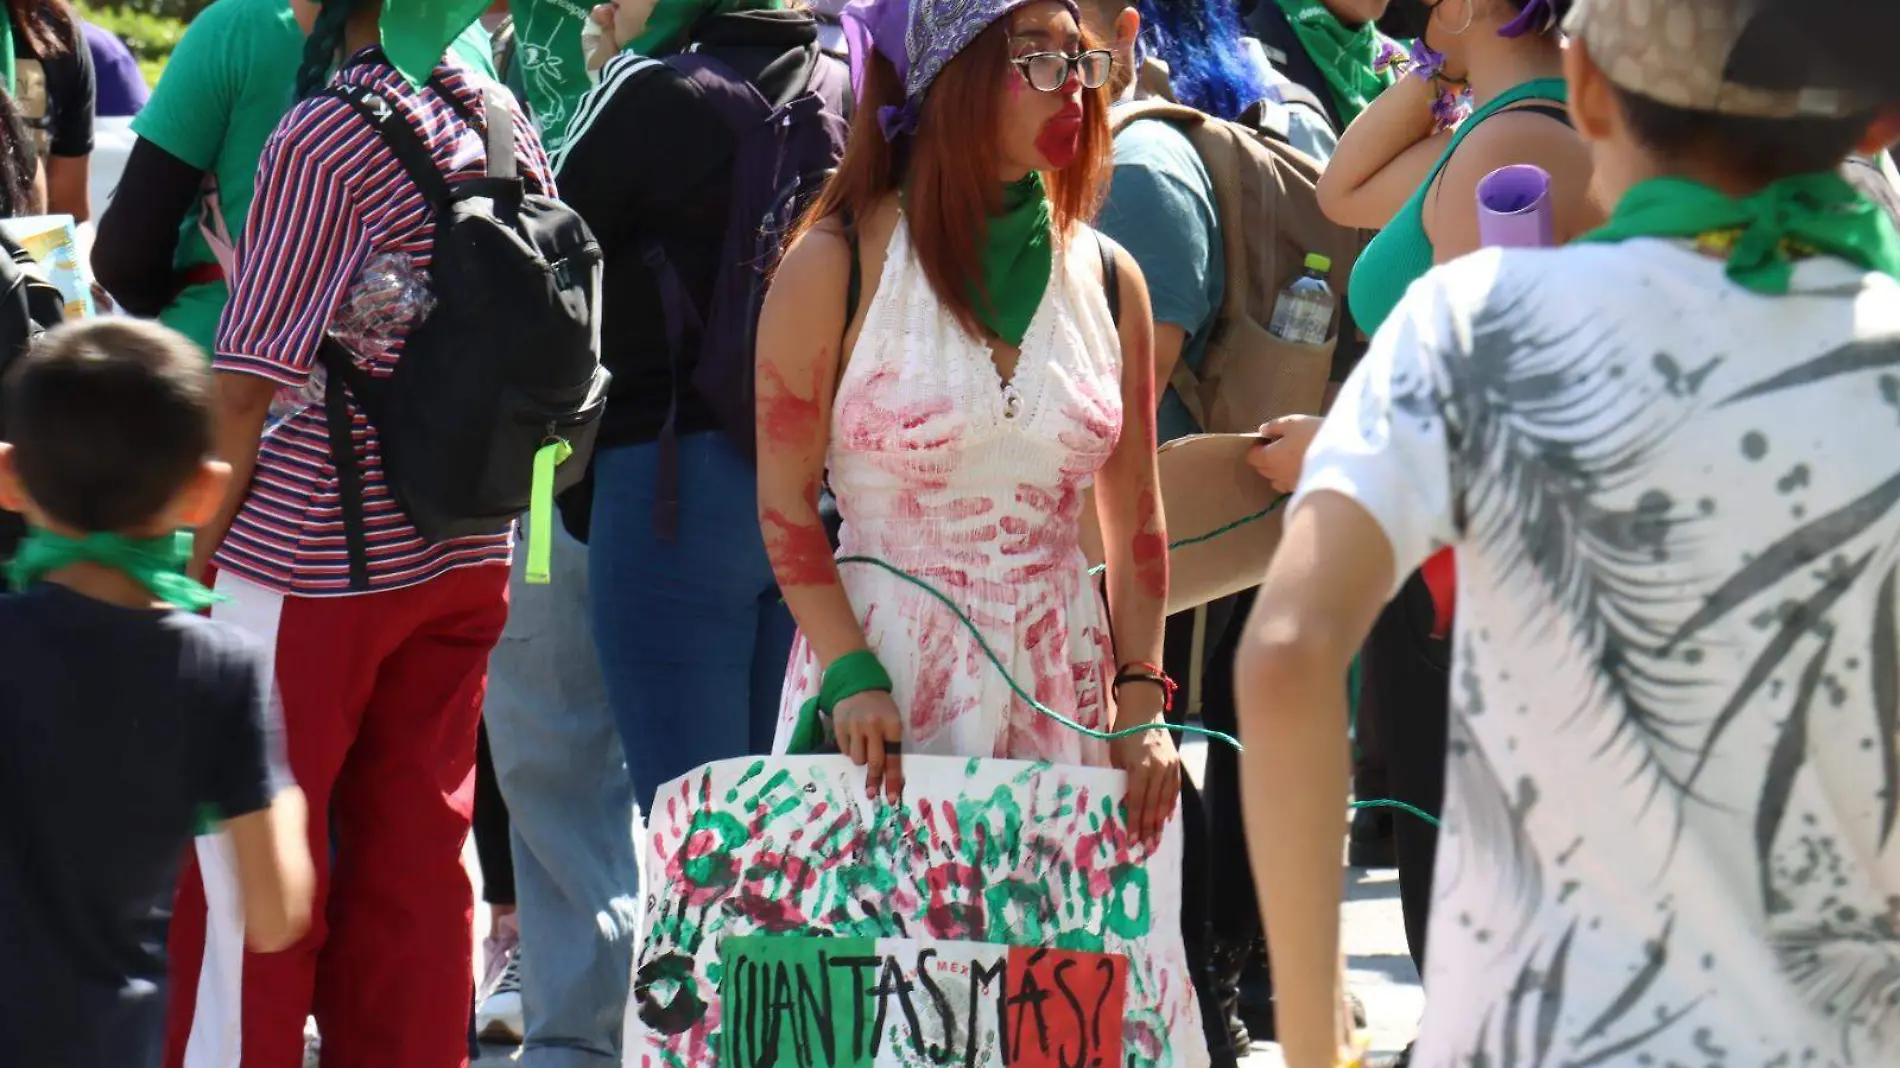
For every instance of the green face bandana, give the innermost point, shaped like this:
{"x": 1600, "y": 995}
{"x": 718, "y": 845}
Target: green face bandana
{"x": 158, "y": 563}
{"x": 1345, "y": 56}
{"x": 1762, "y": 235}
{"x": 1017, "y": 255}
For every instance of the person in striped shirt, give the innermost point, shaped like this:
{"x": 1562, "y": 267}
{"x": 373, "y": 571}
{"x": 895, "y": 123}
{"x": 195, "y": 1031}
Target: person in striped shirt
{"x": 381, "y": 689}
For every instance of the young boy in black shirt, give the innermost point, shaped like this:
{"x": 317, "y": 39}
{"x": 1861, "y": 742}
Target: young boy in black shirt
{"x": 124, "y": 717}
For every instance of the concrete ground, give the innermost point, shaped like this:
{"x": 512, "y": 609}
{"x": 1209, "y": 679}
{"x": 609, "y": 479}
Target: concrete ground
{"x": 1379, "y": 969}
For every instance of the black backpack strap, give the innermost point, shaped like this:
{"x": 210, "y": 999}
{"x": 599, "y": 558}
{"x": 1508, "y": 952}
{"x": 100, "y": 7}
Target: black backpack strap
{"x": 1270, "y": 26}
{"x": 1549, "y": 111}
{"x": 1111, "y": 278}
{"x": 344, "y": 375}
{"x": 402, "y": 139}
{"x": 854, "y": 276}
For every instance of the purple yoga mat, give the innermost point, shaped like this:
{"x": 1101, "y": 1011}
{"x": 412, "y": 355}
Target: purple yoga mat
{"x": 1514, "y": 208}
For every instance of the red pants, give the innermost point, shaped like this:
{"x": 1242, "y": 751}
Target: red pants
{"x": 381, "y": 695}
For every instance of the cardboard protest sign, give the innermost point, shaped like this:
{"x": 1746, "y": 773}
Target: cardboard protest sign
{"x": 1206, "y": 486}
{"x": 1000, "y": 917}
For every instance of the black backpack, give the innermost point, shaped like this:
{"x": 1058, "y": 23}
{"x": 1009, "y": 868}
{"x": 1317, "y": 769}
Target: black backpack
{"x": 507, "y": 361}
{"x": 29, "y": 306}
{"x": 781, "y": 159}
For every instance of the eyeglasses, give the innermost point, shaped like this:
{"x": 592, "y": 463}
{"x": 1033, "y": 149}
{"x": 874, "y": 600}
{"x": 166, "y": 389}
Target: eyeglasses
{"x": 1048, "y": 72}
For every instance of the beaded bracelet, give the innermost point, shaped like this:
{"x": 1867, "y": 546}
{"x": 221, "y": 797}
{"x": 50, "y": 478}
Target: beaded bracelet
{"x": 1428, "y": 64}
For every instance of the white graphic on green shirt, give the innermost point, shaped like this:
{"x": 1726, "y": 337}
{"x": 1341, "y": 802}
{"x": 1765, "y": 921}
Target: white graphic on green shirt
{"x": 548, "y": 36}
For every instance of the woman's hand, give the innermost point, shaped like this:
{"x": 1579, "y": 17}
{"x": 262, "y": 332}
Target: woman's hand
{"x": 606, "y": 44}
{"x": 1149, "y": 757}
{"x": 1280, "y": 459}
{"x": 871, "y": 732}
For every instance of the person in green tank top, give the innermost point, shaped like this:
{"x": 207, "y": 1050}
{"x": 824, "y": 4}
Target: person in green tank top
{"x": 1397, "y": 173}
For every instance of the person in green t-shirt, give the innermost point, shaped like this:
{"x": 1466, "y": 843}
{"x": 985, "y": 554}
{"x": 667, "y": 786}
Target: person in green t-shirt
{"x": 228, "y": 84}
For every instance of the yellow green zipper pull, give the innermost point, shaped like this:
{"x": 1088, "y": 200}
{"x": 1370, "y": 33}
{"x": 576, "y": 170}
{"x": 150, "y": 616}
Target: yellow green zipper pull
{"x": 541, "y": 508}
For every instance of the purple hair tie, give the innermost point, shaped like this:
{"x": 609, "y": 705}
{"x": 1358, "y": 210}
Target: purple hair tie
{"x": 1537, "y": 17}
{"x": 897, "y": 121}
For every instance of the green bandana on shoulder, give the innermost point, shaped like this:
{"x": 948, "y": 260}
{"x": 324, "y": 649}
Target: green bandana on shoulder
{"x": 158, "y": 564}
{"x": 1345, "y": 56}
{"x": 1761, "y": 235}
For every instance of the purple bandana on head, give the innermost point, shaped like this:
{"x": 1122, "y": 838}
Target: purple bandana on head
{"x": 1537, "y": 17}
{"x": 918, "y": 37}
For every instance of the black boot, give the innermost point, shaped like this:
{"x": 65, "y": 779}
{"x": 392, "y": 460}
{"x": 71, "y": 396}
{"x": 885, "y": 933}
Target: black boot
{"x": 1370, "y": 844}
{"x": 1399, "y": 1060}
{"x": 1229, "y": 964}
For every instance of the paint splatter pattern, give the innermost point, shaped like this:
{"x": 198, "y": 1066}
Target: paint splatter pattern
{"x": 1000, "y": 852}
{"x": 975, "y": 485}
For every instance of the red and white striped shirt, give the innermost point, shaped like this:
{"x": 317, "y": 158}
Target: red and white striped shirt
{"x": 329, "y": 196}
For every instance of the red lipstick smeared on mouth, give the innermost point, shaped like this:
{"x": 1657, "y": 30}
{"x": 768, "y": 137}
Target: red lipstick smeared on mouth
{"x": 1061, "y": 137}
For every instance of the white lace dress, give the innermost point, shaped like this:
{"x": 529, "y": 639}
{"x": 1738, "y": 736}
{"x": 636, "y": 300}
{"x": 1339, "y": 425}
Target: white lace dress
{"x": 976, "y": 486}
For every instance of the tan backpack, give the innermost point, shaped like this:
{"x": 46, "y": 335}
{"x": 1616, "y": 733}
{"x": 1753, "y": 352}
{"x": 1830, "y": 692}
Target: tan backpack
{"x": 1264, "y": 192}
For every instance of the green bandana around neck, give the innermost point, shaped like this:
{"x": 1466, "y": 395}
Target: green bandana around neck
{"x": 1345, "y": 56}
{"x": 1018, "y": 254}
{"x": 158, "y": 564}
{"x": 1763, "y": 234}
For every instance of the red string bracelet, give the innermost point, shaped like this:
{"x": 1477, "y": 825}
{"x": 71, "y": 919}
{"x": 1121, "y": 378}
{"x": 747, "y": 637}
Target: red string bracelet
{"x": 1151, "y": 673}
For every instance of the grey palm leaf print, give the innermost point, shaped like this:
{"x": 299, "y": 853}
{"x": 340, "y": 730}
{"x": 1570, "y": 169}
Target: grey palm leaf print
{"x": 1846, "y": 963}
{"x": 1838, "y": 549}
{"x": 1524, "y": 1030}
{"x": 1525, "y": 416}
{"x": 1489, "y": 857}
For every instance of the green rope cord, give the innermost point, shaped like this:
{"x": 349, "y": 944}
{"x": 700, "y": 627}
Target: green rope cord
{"x": 1401, "y": 806}
{"x": 1015, "y": 687}
{"x": 1109, "y": 736}
{"x": 1186, "y": 543}
{"x": 1028, "y": 698}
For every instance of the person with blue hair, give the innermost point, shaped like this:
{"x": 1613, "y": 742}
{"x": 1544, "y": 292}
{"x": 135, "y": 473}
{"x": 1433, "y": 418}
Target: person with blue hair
{"x": 1200, "y": 43}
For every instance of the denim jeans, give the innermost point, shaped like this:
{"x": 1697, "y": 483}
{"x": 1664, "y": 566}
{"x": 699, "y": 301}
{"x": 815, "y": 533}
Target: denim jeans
{"x": 577, "y": 879}
{"x": 693, "y": 636}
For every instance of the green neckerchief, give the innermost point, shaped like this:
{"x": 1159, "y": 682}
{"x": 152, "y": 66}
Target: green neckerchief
{"x": 6, "y": 57}
{"x": 1762, "y": 235}
{"x": 158, "y": 564}
{"x": 1018, "y": 253}
{"x": 1345, "y": 56}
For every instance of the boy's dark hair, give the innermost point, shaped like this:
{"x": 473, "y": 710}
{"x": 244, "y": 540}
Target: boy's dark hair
{"x": 108, "y": 419}
{"x": 1762, "y": 150}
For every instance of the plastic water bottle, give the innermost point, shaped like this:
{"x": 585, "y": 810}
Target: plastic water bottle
{"x": 1304, "y": 312}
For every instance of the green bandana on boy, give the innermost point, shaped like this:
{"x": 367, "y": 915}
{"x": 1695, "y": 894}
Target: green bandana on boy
{"x": 158, "y": 564}
{"x": 1762, "y": 235}
{"x": 1345, "y": 56}
{"x": 1018, "y": 254}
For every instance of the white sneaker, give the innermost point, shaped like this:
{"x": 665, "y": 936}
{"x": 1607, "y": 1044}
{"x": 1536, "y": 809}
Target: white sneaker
{"x": 499, "y": 1018}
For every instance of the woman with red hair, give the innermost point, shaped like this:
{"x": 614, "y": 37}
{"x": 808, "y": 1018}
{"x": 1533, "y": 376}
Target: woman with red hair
{"x": 943, "y": 343}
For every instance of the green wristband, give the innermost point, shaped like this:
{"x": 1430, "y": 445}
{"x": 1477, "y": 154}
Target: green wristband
{"x": 847, "y": 677}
